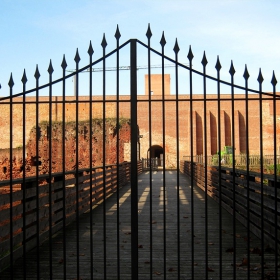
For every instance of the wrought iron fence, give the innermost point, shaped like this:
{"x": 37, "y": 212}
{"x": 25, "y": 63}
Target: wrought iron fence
{"x": 179, "y": 128}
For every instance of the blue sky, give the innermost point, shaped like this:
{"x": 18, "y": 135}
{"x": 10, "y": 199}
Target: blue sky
{"x": 245, "y": 31}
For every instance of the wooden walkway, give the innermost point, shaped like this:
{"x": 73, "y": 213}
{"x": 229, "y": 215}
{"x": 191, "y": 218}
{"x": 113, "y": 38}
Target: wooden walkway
{"x": 156, "y": 268}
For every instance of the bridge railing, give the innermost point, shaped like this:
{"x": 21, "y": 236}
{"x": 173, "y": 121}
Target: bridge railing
{"x": 240, "y": 161}
{"x": 150, "y": 162}
{"x": 251, "y": 196}
{"x": 37, "y": 208}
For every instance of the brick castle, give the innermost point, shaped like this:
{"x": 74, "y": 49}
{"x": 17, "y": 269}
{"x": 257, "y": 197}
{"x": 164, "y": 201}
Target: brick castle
{"x": 146, "y": 149}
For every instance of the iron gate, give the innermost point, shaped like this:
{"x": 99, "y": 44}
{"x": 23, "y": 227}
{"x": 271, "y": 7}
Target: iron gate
{"x": 69, "y": 163}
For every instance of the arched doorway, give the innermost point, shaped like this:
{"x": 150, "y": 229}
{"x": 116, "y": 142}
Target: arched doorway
{"x": 156, "y": 152}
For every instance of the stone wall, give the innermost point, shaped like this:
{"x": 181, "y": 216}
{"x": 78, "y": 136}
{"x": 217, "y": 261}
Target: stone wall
{"x": 58, "y": 145}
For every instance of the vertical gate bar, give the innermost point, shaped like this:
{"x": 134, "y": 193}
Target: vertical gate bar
{"x": 104, "y": 44}
{"x": 24, "y": 80}
{"x": 150, "y": 145}
{"x": 90, "y": 52}
{"x": 118, "y": 35}
{"x": 176, "y": 50}
{"x": 204, "y": 62}
{"x": 246, "y": 76}
{"x": 50, "y": 70}
{"x": 274, "y": 82}
{"x": 134, "y": 175}
{"x": 77, "y": 59}
{"x": 163, "y": 42}
{"x": 11, "y": 84}
{"x": 190, "y": 57}
{"x": 232, "y": 71}
{"x": 260, "y": 80}
{"x": 218, "y": 67}
{"x": 64, "y": 65}
{"x": 37, "y": 75}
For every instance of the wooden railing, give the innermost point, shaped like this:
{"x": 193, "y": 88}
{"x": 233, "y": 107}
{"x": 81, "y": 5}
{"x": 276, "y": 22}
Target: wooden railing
{"x": 61, "y": 195}
{"x": 240, "y": 161}
{"x": 262, "y": 197}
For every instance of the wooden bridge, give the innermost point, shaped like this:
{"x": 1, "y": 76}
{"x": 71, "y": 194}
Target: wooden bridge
{"x": 174, "y": 239}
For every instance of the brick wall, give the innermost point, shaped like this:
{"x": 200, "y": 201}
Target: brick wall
{"x": 31, "y": 159}
{"x": 154, "y": 113}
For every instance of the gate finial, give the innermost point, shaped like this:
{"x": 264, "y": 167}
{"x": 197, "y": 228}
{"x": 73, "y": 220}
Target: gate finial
{"x": 162, "y": 40}
{"x": 260, "y": 77}
{"x": 24, "y": 78}
{"x": 204, "y": 60}
{"x": 218, "y": 65}
{"x": 90, "y": 49}
{"x": 149, "y": 32}
{"x": 77, "y": 57}
{"x": 232, "y": 70}
{"x": 246, "y": 73}
{"x": 273, "y": 80}
{"x": 64, "y": 64}
{"x": 104, "y": 43}
{"x": 50, "y": 69}
{"x": 37, "y": 73}
{"x": 190, "y": 55}
{"x": 176, "y": 48}
{"x": 11, "y": 81}
{"x": 117, "y": 34}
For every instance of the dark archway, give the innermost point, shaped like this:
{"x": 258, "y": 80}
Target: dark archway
{"x": 156, "y": 151}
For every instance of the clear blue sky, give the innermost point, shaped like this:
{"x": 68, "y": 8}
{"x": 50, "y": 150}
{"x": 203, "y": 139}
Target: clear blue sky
{"x": 245, "y": 31}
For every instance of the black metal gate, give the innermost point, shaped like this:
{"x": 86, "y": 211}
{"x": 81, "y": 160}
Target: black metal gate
{"x": 161, "y": 185}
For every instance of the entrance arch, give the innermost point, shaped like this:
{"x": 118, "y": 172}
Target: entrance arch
{"x": 156, "y": 151}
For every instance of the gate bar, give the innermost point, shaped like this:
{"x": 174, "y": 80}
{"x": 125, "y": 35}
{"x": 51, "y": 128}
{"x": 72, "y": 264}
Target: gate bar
{"x": 260, "y": 80}
{"x": 134, "y": 175}
{"x": 11, "y": 84}
{"x": 163, "y": 42}
{"x": 117, "y": 36}
{"x": 232, "y": 72}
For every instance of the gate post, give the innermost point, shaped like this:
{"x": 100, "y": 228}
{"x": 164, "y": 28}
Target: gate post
{"x": 134, "y": 173}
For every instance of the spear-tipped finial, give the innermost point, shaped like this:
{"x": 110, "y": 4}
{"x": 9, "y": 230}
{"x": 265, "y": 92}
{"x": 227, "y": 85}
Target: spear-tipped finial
{"x": 77, "y": 56}
{"x": 24, "y": 78}
{"x": 190, "y": 54}
{"x": 117, "y": 34}
{"x": 104, "y": 42}
{"x": 37, "y": 73}
{"x": 218, "y": 65}
{"x": 162, "y": 40}
{"x": 50, "y": 69}
{"x": 11, "y": 81}
{"x": 246, "y": 73}
{"x": 149, "y": 32}
{"x": 176, "y": 48}
{"x": 204, "y": 60}
{"x": 231, "y": 69}
{"x": 260, "y": 77}
{"x": 90, "y": 49}
{"x": 273, "y": 80}
{"x": 64, "y": 64}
